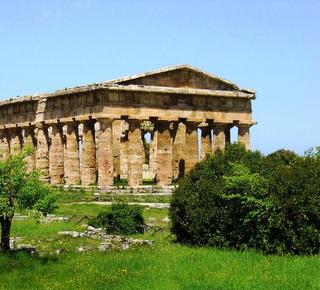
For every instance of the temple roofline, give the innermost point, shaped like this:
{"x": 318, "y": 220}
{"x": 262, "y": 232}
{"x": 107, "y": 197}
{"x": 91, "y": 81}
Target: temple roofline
{"x": 113, "y": 85}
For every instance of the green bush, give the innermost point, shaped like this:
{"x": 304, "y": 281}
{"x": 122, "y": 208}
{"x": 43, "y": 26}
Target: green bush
{"x": 242, "y": 199}
{"x": 120, "y": 219}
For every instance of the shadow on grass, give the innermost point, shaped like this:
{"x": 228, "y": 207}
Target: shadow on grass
{"x": 21, "y": 259}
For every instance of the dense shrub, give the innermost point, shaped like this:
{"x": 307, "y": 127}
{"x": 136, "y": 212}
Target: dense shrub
{"x": 242, "y": 199}
{"x": 120, "y": 219}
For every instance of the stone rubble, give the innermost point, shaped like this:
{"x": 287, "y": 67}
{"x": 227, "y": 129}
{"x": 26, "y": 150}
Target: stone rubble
{"x": 108, "y": 242}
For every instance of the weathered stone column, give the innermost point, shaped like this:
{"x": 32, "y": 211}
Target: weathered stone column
{"x": 206, "y": 142}
{"x": 71, "y": 155}
{"x": 191, "y": 147}
{"x": 124, "y": 155}
{"x": 153, "y": 152}
{"x": 4, "y": 144}
{"x": 164, "y": 153}
{"x": 219, "y": 136}
{"x": 244, "y": 135}
{"x": 116, "y": 140}
{"x": 15, "y": 140}
{"x": 42, "y": 151}
{"x": 104, "y": 154}
{"x": 56, "y": 155}
{"x": 179, "y": 142}
{"x": 88, "y": 155}
{"x": 29, "y": 141}
{"x": 136, "y": 153}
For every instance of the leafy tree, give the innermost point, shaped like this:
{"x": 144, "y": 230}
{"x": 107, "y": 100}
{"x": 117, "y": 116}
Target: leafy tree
{"x": 282, "y": 156}
{"x": 21, "y": 190}
{"x": 242, "y": 199}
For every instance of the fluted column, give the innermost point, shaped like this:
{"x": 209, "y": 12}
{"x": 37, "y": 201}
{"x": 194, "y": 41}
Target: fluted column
{"x": 104, "y": 154}
{"x": 179, "y": 143}
{"x": 191, "y": 147}
{"x": 164, "y": 153}
{"x": 88, "y": 155}
{"x": 153, "y": 152}
{"x": 206, "y": 142}
{"x": 42, "y": 151}
{"x": 219, "y": 136}
{"x": 4, "y": 144}
{"x": 116, "y": 140}
{"x": 244, "y": 135}
{"x": 15, "y": 140}
{"x": 124, "y": 155}
{"x": 136, "y": 153}
{"x": 29, "y": 141}
{"x": 56, "y": 156}
{"x": 71, "y": 155}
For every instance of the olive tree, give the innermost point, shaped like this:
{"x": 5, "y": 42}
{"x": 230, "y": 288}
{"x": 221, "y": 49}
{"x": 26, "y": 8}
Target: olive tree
{"x": 21, "y": 191}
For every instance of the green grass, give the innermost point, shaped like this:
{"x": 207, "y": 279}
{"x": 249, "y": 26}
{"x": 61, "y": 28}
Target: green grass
{"x": 167, "y": 266}
{"x": 79, "y": 209}
{"x": 33, "y": 230}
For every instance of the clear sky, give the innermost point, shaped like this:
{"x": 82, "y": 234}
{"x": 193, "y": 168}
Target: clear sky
{"x": 272, "y": 46}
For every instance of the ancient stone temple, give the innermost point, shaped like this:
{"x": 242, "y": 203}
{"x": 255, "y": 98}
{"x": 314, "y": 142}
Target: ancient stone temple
{"x": 155, "y": 125}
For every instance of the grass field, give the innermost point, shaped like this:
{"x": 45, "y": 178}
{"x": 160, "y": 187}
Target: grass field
{"x": 166, "y": 266}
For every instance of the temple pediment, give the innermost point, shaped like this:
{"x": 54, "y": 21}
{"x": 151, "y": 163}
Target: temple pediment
{"x": 180, "y": 76}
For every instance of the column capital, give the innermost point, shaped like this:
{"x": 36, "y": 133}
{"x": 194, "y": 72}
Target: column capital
{"x": 56, "y": 125}
{"x": 105, "y": 123}
{"x": 40, "y": 125}
{"x": 244, "y": 125}
{"x": 222, "y": 124}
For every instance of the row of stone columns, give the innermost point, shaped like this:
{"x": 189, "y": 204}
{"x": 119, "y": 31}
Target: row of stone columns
{"x": 92, "y": 151}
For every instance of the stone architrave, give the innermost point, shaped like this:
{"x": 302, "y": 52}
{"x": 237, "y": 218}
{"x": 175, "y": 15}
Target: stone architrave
{"x": 206, "y": 142}
{"x": 15, "y": 140}
{"x": 136, "y": 153}
{"x": 71, "y": 156}
{"x": 179, "y": 143}
{"x": 164, "y": 153}
{"x": 29, "y": 141}
{"x": 244, "y": 135}
{"x": 56, "y": 155}
{"x": 4, "y": 144}
{"x": 88, "y": 155}
{"x": 191, "y": 148}
{"x": 42, "y": 151}
{"x": 104, "y": 154}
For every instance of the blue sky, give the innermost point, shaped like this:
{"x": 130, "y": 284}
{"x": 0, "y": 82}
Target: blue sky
{"x": 270, "y": 46}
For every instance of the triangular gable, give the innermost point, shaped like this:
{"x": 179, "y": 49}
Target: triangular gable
{"x": 178, "y": 76}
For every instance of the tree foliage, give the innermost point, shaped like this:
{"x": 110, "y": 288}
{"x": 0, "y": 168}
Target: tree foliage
{"x": 21, "y": 191}
{"x": 242, "y": 199}
{"x": 120, "y": 219}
